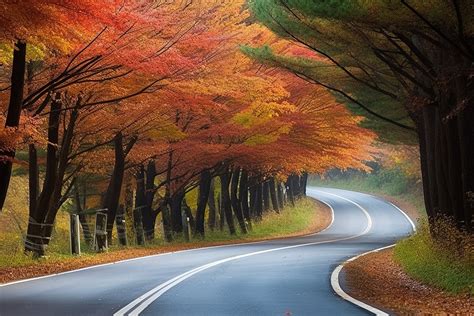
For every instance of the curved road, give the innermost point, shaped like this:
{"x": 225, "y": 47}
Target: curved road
{"x": 279, "y": 277}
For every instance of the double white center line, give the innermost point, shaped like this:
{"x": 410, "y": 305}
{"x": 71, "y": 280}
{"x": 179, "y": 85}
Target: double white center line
{"x": 145, "y": 300}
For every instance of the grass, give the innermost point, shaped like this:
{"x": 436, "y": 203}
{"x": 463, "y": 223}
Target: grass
{"x": 389, "y": 182}
{"x": 290, "y": 220}
{"x": 446, "y": 262}
{"x": 300, "y": 219}
{"x": 13, "y": 224}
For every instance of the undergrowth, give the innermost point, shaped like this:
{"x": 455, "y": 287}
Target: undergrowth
{"x": 391, "y": 182}
{"x": 291, "y": 220}
{"x": 442, "y": 257}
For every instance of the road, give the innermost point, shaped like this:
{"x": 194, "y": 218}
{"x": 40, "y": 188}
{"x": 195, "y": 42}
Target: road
{"x": 280, "y": 277}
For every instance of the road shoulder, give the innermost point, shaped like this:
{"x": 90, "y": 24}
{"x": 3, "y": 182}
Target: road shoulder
{"x": 45, "y": 267}
{"x": 377, "y": 279}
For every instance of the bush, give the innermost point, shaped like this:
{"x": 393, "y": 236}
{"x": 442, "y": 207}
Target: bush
{"x": 394, "y": 181}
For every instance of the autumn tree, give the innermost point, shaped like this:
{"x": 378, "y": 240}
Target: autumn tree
{"x": 38, "y": 24}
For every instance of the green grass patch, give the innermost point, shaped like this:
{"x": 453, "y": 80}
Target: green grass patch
{"x": 390, "y": 182}
{"x": 289, "y": 221}
{"x": 446, "y": 262}
{"x": 299, "y": 219}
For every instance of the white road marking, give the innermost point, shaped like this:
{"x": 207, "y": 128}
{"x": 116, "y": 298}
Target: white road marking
{"x": 158, "y": 255}
{"x": 337, "y": 286}
{"x": 332, "y": 217}
{"x": 138, "y": 305}
{"x": 369, "y": 219}
{"x": 405, "y": 214}
{"x": 335, "y": 274}
{"x": 162, "y": 288}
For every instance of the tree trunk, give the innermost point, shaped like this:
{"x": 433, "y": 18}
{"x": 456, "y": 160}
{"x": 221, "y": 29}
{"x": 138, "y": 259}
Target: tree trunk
{"x": 37, "y": 239}
{"x": 57, "y": 196}
{"x": 140, "y": 204}
{"x": 466, "y": 140}
{"x": 266, "y": 195}
{"x": 121, "y": 227}
{"x": 259, "y": 201}
{"x": 129, "y": 207}
{"x": 211, "y": 202}
{"x": 221, "y": 212}
{"x": 290, "y": 190}
{"x": 175, "y": 206}
{"x": 86, "y": 231}
{"x": 13, "y": 115}
{"x": 236, "y": 206}
{"x": 166, "y": 217}
{"x": 112, "y": 195}
{"x": 33, "y": 177}
{"x": 148, "y": 215}
{"x": 188, "y": 214}
{"x": 446, "y": 138}
{"x": 203, "y": 198}
{"x": 304, "y": 183}
{"x": 295, "y": 181}
{"x": 280, "y": 195}
{"x": 273, "y": 195}
{"x": 226, "y": 203}
{"x": 253, "y": 199}
{"x": 244, "y": 196}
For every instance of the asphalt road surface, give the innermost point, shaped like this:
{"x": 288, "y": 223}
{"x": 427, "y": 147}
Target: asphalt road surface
{"x": 279, "y": 277}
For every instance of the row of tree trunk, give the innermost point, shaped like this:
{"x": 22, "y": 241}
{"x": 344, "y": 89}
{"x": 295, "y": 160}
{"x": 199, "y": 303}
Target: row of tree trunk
{"x": 238, "y": 201}
{"x": 446, "y": 138}
{"x": 242, "y": 198}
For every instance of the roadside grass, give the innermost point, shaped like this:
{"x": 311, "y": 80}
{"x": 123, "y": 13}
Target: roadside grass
{"x": 303, "y": 218}
{"x": 388, "y": 182}
{"x": 13, "y": 224}
{"x": 298, "y": 219}
{"x": 446, "y": 262}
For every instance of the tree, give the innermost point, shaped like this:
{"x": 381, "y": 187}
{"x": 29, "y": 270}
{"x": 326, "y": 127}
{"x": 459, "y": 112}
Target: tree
{"x": 414, "y": 56}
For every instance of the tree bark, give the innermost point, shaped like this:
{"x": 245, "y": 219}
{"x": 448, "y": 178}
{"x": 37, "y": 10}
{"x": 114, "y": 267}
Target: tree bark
{"x": 259, "y": 201}
{"x": 221, "y": 212}
{"x": 253, "y": 198}
{"x": 236, "y": 205}
{"x": 188, "y": 214}
{"x": 266, "y": 195}
{"x": 148, "y": 214}
{"x": 140, "y": 204}
{"x": 112, "y": 195}
{"x": 273, "y": 195}
{"x": 290, "y": 190}
{"x": 13, "y": 115}
{"x": 281, "y": 198}
{"x": 211, "y": 202}
{"x": 57, "y": 197}
{"x": 226, "y": 202}
{"x": 175, "y": 207}
{"x": 36, "y": 239}
{"x": 203, "y": 198}
{"x": 33, "y": 177}
{"x": 304, "y": 183}
{"x": 121, "y": 227}
{"x": 244, "y": 196}
{"x": 86, "y": 230}
{"x": 166, "y": 217}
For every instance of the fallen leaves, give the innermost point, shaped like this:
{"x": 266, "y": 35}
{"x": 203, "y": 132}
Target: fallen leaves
{"x": 56, "y": 265}
{"x": 377, "y": 279}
